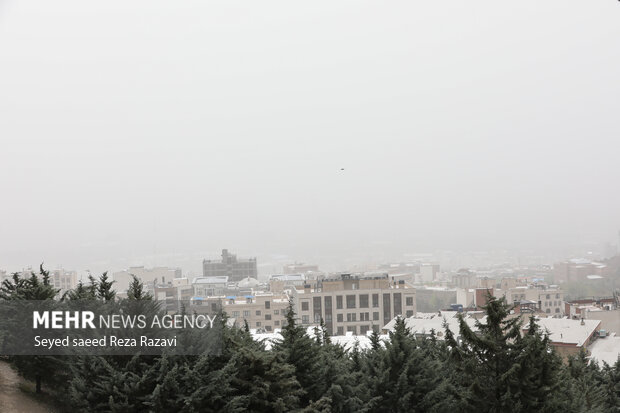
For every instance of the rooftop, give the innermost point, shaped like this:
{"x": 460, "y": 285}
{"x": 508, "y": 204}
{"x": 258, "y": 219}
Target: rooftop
{"x": 423, "y": 323}
{"x": 606, "y": 349}
{"x": 566, "y": 331}
{"x": 222, "y": 279}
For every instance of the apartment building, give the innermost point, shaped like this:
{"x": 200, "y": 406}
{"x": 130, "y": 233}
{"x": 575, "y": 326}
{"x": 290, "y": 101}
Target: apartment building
{"x": 232, "y": 267}
{"x": 262, "y": 311}
{"x": 354, "y": 303}
{"x": 549, "y": 300}
{"x": 63, "y": 280}
{"x": 578, "y": 269}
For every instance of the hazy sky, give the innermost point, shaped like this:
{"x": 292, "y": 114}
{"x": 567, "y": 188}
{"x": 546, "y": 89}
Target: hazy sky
{"x": 129, "y": 128}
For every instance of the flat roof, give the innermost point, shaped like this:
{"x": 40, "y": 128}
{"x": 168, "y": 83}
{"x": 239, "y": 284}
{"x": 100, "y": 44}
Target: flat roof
{"x": 606, "y": 349}
{"x": 567, "y": 331}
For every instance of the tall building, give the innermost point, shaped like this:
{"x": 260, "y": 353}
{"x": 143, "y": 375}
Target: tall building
{"x": 230, "y": 266}
{"x": 63, "y": 280}
{"x": 354, "y": 303}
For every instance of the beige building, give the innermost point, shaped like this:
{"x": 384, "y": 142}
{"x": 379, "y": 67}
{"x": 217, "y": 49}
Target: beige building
{"x": 63, "y": 280}
{"x": 550, "y": 300}
{"x": 354, "y": 303}
{"x": 262, "y": 311}
{"x": 150, "y": 276}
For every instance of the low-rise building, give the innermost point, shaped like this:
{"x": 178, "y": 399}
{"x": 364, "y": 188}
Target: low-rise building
{"x": 262, "y": 311}
{"x": 422, "y": 325}
{"x": 278, "y": 283}
{"x": 568, "y": 336}
{"x": 210, "y": 286}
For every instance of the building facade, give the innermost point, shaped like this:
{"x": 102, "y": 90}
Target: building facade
{"x": 354, "y": 304}
{"x": 262, "y": 311}
{"x": 230, "y": 266}
{"x": 63, "y": 280}
{"x": 149, "y": 276}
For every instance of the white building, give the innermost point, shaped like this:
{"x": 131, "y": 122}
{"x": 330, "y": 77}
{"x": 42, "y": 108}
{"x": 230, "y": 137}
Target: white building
{"x": 210, "y": 286}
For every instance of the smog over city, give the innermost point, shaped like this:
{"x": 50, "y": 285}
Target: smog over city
{"x": 444, "y": 156}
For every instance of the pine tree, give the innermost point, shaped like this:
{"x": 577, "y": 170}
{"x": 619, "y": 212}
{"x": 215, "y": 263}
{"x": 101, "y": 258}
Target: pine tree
{"x": 104, "y": 288}
{"x": 500, "y": 371}
{"x": 35, "y": 289}
{"x": 611, "y": 386}
{"x": 299, "y": 350}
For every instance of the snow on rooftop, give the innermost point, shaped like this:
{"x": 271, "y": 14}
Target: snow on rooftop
{"x": 347, "y": 341}
{"x": 564, "y": 330}
{"x": 606, "y": 349}
{"x": 423, "y": 323}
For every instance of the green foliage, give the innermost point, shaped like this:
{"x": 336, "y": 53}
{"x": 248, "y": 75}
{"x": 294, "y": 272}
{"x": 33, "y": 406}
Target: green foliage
{"x": 495, "y": 369}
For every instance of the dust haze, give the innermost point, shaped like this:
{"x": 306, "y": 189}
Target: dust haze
{"x": 158, "y": 133}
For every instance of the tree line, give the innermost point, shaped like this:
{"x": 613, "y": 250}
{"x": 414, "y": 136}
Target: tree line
{"x": 495, "y": 369}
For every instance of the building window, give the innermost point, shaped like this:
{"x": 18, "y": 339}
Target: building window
{"x": 364, "y": 301}
{"x": 339, "y": 302}
{"x": 375, "y": 316}
{"x": 267, "y": 305}
{"x": 364, "y": 329}
{"x": 557, "y": 296}
{"x": 268, "y": 328}
{"x": 386, "y": 308}
{"x": 375, "y": 300}
{"x": 548, "y": 296}
{"x": 557, "y": 310}
{"x": 548, "y": 310}
{"x": 364, "y": 316}
{"x": 257, "y": 312}
{"x": 305, "y": 306}
{"x": 305, "y": 319}
{"x": 351, "y": 317}
{"x": 350, "y": 301}
{"x": 235, "y": 313}
{"x": 277, "y": 322}
{"x": 267, "y": 316}
{"x": 339, "y": 318}
{"x": 398, "y": 304}
{"x": 352, "y": 329}
{"x": 409, "y": 313}
{"x": 246, "y": 313}
{"x": 409, "y": 301}
{"x": 258, "y": 324}
{"x": 340, "y": 331}
{"x": 276, "y": 312}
